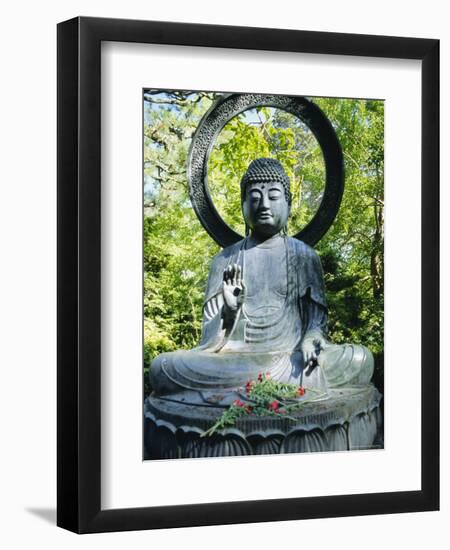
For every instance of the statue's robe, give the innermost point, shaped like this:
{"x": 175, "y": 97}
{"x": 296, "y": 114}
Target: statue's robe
{"x": 284, "y": 303}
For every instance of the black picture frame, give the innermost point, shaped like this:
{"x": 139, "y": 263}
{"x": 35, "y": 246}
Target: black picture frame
{"x": 79, "y": 280}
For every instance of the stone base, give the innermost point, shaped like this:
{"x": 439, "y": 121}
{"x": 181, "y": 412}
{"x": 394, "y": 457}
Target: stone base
{"x": 350, "y": 419}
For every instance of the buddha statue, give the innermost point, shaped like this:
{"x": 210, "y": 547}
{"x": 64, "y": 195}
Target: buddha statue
{"x": 265, "y": 311}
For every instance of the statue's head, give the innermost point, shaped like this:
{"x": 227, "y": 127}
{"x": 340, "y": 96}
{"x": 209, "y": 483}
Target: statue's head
{"x": 265, "y": 197}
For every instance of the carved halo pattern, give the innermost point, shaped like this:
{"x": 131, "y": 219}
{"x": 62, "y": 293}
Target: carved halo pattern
{"x": 221, "y": 112}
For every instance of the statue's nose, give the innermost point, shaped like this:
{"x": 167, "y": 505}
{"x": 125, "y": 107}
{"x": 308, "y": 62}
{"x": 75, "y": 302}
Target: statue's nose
{"x": 265, "y": 203}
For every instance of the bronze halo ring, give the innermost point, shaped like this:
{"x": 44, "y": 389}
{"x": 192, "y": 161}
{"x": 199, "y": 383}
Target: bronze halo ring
{"x": 221, "y": 112}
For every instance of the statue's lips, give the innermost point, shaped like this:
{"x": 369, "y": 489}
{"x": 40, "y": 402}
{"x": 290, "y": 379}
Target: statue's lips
{"x": 264, "y": 216}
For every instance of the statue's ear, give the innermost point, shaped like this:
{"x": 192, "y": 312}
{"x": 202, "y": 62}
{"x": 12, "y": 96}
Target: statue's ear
{"x": 244, "y": 207}
{"x": 289, "y": 208}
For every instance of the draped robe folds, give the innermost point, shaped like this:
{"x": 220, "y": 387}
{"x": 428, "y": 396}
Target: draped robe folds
{"x": 284, "y": 303}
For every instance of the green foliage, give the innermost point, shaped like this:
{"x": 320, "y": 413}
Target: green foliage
{"x": 352, "y": 251}
{"x": 265, "y": 132}
{"x": 177, "y": 250}
{"x": 265, "y": 397}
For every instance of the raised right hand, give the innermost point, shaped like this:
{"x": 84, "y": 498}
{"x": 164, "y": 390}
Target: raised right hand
{"x": 233, "y": 287}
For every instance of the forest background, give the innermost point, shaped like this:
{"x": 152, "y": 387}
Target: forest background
{"x": 178, "y": 251}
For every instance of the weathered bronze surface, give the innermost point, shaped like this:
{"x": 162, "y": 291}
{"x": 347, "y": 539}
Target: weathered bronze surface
{"x": 265, "y": 311}
{"x": 350, "y": 419}
{"x": 226, "y": 108}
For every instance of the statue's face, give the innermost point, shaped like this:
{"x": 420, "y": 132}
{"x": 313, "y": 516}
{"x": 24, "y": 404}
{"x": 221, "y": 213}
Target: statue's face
{"x": 265, "y": 208}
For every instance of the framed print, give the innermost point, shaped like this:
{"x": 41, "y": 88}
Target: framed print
{"x": 247, "y": 274}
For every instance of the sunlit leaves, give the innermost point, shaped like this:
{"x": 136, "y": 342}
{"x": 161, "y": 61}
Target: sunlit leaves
{"x": 177, "y": 251}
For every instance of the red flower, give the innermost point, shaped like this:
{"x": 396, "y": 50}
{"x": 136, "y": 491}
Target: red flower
{"x": 260, "y": 377}
{"x": 238, "y": 403}
{"x": 301, "y": 391}
{"x": 249, "y": 386}
{"x": 274, "y": 406}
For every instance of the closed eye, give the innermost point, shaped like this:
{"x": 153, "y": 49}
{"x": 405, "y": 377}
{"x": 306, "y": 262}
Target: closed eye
{"x": 274, "y": 194}
{"x": 255, "y": 195}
